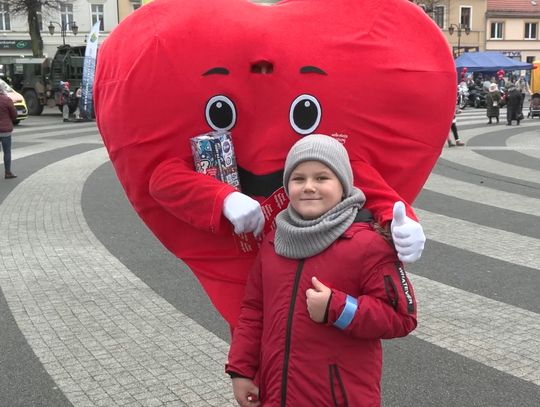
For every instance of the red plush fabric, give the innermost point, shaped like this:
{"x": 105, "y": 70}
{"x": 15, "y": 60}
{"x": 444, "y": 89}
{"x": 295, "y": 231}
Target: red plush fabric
{"x": 380, "y": 71}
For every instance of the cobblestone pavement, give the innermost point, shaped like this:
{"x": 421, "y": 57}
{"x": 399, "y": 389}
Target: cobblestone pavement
{"x": 107, "y": 339}
{"x": 102, "y": 334}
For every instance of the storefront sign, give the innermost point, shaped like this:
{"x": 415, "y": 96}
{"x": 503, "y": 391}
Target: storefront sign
{"x": 512, "y": 54}
{"x": 15, "y": 44}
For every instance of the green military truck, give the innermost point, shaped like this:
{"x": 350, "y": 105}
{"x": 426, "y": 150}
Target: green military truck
{"x": 38, "y": 79}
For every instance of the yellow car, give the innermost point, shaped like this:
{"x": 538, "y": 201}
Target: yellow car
{"x": 18, "y": 101}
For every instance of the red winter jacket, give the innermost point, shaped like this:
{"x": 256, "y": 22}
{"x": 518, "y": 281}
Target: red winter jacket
{"x": 8, "y": 113}
{"x": 299, "y": 362}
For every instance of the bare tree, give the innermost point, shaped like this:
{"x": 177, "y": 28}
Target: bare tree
{"x": 31, "y": 9}
{"x": 427, "y": 5}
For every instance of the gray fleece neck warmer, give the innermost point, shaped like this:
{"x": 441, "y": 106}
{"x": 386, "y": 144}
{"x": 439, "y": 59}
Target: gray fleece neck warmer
{"x": 298, "y": 238}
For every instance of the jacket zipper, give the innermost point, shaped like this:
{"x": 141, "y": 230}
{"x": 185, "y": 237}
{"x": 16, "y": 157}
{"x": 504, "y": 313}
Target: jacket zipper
{"x": 334, "y": 373}
{"x": 289, "y": 332}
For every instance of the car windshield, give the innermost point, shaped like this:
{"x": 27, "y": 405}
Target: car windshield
{"x": 5, "y": 86}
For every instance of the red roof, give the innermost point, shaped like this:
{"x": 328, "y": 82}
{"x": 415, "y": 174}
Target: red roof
{"x": 514, "y": 6}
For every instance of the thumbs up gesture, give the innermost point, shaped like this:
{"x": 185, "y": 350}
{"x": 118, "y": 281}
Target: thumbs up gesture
{"x": 408, "y": 236}
{"x": 317, "y": 300}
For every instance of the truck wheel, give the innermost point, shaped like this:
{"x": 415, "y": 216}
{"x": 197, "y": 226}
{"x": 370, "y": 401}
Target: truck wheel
{"x": 32, "y": 102}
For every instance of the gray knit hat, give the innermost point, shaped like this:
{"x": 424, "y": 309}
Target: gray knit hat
{"x": 329, "y": 151}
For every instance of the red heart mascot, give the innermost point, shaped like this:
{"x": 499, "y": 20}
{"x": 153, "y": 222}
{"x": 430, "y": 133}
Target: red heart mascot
{"x": 377, "y": 74}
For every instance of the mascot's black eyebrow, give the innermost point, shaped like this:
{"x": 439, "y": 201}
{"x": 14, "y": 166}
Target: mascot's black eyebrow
{"x": 217, "y": 71}
{"x": 224, "y": 71}
{"x": 312, "y": 69}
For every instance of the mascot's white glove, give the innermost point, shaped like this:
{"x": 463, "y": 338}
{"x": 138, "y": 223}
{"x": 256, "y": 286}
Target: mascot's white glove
{"x": 244, "y": 213}
{"x": 408, "y": 236}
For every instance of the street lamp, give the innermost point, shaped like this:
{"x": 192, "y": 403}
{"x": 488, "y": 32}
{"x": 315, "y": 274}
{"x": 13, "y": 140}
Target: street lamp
{"x": 458, "y": 28}
{"x": 63, "y": 28}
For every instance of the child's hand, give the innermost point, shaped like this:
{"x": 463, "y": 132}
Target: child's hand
{"x": 317, "y": 300}
{"x": 245, "y": 392}
{"x": 408, "y": 236}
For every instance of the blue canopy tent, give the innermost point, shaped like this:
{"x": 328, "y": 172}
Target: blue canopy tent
{"x": 489, "y": 61}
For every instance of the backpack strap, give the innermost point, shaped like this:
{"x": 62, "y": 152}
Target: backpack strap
{"x": 363, "y": 215}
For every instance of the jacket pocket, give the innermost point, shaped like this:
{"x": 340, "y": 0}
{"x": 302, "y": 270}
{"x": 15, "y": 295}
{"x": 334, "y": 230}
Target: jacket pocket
{"x": 337, "y": 389}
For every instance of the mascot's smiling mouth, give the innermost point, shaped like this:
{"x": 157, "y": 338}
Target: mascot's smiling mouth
{"x": 260, "y": 185}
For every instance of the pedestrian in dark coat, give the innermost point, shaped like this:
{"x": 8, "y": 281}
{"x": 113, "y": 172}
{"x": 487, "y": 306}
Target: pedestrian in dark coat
{"x": 8, "y": 114}
{"x": 513, "y": 103}
{"x": 325, "y": 289}
{"x": 493, "y": 99}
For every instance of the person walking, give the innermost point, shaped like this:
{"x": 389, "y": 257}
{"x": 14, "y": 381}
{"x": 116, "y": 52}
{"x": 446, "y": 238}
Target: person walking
{"x": 455, "y": 132}
{"x": 8, "y": 114}
{"x": 326, "y": 287}
{"x": 525, "y": 90}
{"x": 513, "y": 101}
{"x": 493, "y": 100}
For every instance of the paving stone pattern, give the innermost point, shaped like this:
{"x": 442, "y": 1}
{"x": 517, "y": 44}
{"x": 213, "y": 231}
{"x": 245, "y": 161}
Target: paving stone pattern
{"x": 107, "y": 339}
{"x": 101, "y": 333}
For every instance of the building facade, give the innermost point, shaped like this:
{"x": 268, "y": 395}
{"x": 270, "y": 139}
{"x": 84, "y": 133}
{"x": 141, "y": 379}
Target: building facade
{"x": 507, "y": 26}
{"x": 512, "y": 28}
{"x": 82, "y": 14}
{"x": 76, "y": 17}
{"x": 461, "y": 22}
{"x": 126, "y": 7}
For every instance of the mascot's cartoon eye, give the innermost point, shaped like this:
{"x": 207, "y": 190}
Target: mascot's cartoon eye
{"x": 305, "y": 114}
{"x": 220, "y": 113}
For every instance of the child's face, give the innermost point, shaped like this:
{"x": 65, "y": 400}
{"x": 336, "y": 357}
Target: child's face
{"x": 314, "y": 189}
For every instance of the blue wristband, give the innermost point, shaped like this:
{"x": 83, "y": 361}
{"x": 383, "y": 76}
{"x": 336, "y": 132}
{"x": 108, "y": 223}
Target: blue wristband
{"x": 347, "y": 315}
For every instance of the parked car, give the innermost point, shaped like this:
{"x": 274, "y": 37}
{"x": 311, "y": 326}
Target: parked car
{"x": 18, "y": 101}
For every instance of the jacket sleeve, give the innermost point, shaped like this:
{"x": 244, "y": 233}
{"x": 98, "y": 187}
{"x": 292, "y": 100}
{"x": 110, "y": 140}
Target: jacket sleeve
{"x": 12, "y": 111}
{"x": 194, "y": 198}
{"x": 380, "y": 197}
{"x": 244, "y": 353}
{"x": 386, "y": 307}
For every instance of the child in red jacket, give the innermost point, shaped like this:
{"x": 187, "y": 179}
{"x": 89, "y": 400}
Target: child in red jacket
{"x": 325, "y": 289}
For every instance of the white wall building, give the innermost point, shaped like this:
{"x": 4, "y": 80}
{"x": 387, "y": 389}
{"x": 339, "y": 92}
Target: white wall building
{"x": 513, "y": 28}
{"x": 15, "y": 39}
